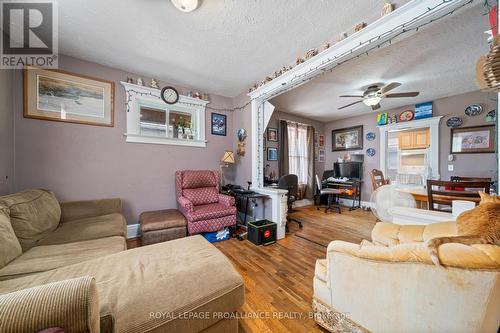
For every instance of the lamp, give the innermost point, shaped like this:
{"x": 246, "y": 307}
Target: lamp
{"x": 372, "y": 100}
{"x": 186, "y": 5}
{"x": 227, "y": 158}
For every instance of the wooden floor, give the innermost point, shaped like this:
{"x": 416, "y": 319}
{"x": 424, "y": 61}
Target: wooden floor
{"x": 278, "y": 278}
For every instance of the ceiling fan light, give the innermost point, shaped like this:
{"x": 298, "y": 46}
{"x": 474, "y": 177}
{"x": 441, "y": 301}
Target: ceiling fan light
{"x": 372, "y": 100}
{"x": 186, "y": 5}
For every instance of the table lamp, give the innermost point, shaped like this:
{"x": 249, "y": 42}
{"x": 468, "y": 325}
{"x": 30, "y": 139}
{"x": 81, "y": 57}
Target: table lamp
{"x": 227, "y": 158}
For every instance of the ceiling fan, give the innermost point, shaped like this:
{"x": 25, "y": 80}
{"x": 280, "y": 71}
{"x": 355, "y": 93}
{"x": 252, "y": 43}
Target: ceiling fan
{"x": 374, "y": 94}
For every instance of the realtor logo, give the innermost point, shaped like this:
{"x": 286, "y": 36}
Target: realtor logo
{"x": 29, "y": 34}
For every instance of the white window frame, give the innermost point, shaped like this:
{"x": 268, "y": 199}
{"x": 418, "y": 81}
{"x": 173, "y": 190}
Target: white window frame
{"x": 137, "y": 96}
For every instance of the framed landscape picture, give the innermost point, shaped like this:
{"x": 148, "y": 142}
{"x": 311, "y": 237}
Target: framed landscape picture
{"x": 62, "y": 96}
{"x": 470, "y": 140}
{"x": 219, "y": 124}
{"x": 349, "y": 138}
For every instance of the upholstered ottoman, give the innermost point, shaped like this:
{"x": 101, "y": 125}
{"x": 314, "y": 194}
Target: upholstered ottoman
{"x": 161, "y": 226}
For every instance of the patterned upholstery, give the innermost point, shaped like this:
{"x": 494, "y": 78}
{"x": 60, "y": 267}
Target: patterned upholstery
{"x": 199, "y": 201}
{"x": 202, "y": 195}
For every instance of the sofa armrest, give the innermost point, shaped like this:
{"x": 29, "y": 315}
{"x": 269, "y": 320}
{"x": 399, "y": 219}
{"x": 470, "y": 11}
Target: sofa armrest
{"x": 389, "y": 234}
{"x": 69, "y": 304}
{"x": 185, "y": 204}
{"x": 75, "y": 210}
{"x": 226, "y": 200}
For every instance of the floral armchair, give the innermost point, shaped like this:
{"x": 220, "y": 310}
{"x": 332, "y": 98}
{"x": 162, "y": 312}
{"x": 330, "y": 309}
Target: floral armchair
{"x": 199, "y": 200}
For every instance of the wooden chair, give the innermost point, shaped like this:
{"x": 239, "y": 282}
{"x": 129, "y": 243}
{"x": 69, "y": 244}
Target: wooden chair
{"x": 442, "y": 196}
{"x": 470, "y": 179}
{"x": 378, "y": 179}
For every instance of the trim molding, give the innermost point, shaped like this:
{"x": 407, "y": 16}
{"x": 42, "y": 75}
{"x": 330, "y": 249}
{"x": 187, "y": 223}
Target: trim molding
{"x": 133, "y": 230}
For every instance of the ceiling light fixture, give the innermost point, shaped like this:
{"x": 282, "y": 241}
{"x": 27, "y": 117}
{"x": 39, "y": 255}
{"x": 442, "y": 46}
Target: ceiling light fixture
{"x": 372, "y": 100}
{"x": 186, "y": 5}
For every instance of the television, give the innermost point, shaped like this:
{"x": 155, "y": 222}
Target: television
{"x": 350, "y": 170}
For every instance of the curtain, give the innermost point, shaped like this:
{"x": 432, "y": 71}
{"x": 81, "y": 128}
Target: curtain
{"x": 283, "y": 148}
{"x": 301, "y": 155}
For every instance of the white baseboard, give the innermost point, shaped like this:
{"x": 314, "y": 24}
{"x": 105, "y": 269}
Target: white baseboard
{"x": 133, "y": 230}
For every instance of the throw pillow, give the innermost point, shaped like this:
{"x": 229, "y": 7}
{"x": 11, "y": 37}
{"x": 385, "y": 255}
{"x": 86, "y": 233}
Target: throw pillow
{"x": 10, "y": 248}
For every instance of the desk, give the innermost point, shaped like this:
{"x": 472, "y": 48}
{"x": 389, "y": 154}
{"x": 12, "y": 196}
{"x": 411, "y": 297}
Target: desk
{"x": 352, "y": 183}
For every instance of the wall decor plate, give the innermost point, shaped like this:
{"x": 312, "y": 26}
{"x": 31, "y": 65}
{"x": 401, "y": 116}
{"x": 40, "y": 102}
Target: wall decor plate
{"x": 370, "y": 152}
{"x": 406, "y": 115}
{"x": 473, "y": 110}
{"x": 491, "y": 116}
{"x": 454, "y": 122}
{"x": 370, "y": 136}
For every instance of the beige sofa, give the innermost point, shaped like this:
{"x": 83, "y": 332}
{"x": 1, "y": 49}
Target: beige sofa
{"x": 391, "y": 285}
{"x": 65, "y": 265}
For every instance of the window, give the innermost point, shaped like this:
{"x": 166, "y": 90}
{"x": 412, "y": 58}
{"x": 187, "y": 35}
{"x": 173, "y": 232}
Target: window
{"x": 150, "y": 120}
{"x": 298, "y": 152}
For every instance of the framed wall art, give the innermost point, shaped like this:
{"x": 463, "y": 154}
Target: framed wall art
{"x": 272, "y": 154}
{"x": 272, "y": 134}
{"x": 473, "y": 140}
{"x": 349, "y": 138}
{"x": 63, "y": 96}
{"x": 218, "y": 124}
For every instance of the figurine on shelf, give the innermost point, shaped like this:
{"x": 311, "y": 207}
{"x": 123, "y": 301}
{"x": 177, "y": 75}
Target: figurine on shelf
{"x": 325, "y": 46}
{"x": 139, "y": 81}
{"x": 298, "y": 61}
{"x": 189, "y": 93}
{"x": 388, "y": 8}
{"x": 154, "y": 84}
{"x": 196, "y": 94}
{"x": 266, "y": 80}
{"x": 310, "y": 53}
{"x": 204, "y": 96}
{"x": 130, "y": 80}
{"x": 342, "y": 37}
{"x": 360, "y": 26}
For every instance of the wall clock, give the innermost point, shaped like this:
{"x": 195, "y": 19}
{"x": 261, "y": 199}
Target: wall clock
{"x": 169, "y": 95}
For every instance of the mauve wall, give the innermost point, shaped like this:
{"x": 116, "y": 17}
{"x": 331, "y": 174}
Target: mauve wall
{"x": 6, "y": 132}
{"x": 89, "y": 162}
{"x": 242, "y": 118}
{"x": 479, "y": 165}
{"x": 274, "y": 123}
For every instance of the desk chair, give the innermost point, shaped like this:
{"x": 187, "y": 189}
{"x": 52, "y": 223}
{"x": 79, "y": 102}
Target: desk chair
{"x": 332, "y": 194}
{"x": 291, "y": 184}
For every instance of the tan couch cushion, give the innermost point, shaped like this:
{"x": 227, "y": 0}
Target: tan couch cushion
{"x": 9, "y": 244}
{"x": 168, "y": 279}
{"x": 87, "y": 229}
{"x": 33, "y": 214}
{"x": 48, "y": 257}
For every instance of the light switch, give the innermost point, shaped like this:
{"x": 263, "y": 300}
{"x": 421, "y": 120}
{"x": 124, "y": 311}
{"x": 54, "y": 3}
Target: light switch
{"x": 451, "y": 167}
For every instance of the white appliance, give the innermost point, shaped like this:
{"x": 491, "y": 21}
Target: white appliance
{"x": 412, "y": 162}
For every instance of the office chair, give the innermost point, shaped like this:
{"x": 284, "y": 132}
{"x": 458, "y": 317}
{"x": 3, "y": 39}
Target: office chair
{"x": 332, "y": 196}
{"x": 291, "y": 184}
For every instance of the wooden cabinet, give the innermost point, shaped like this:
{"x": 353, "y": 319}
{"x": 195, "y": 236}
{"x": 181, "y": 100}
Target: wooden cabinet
{"x": 418, "y": 139}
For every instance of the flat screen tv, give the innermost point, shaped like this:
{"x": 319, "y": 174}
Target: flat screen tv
{"x": 351, "y": 170}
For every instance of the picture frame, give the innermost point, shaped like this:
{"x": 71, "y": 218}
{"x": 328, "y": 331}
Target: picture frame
{"x": 473, "y": 139}
{"x": 272, "y": 134}
{"x": 272, "y": 154}
{"x": 348, "y": 138}
{"x": 218, "y": 124}
{"x": 321, "y": 140}
{"x": 423, "y": 110}
{"x": 382, "y": 118}
{"x": 58, "y": 95}
{"x": 322, "y": 156}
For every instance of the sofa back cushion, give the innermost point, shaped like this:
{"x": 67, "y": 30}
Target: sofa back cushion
{"x": 10, "y": 248}
{"x": 33, "y": 215}
{"x": 201, "y": 196}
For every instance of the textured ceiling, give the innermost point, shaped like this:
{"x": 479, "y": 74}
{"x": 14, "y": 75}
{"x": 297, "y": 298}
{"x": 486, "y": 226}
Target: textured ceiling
{"x": 438, "y": 61}
{"x": 223, "y": 47}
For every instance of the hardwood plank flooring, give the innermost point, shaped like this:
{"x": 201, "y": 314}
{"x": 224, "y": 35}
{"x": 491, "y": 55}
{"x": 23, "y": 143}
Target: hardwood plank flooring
{"x": 278, "y": 278}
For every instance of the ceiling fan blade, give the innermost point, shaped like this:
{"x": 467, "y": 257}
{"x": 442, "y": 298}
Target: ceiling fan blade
{"x": 359, "y": 96}
{"x": 389, "y": 87}
{"x": 340, "y": 108}
{"x": 405, "y": 94}
{"x": 376, "y": 107}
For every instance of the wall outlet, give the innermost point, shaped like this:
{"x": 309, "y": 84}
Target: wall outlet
{"x": 451, "y": 167}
